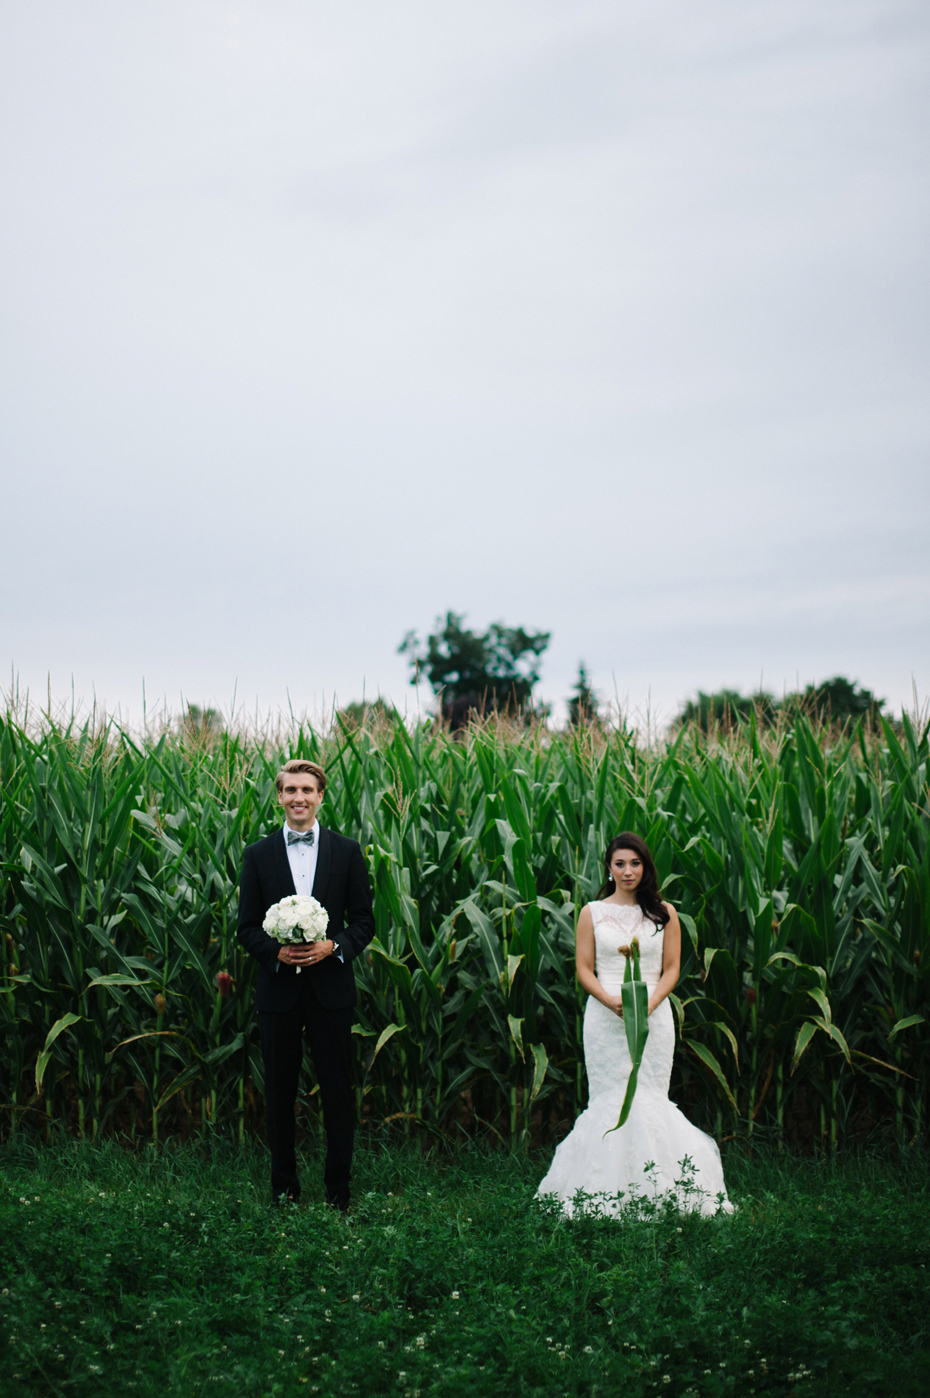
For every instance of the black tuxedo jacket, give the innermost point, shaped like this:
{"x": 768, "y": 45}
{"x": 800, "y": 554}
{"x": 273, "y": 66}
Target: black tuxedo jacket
{"x": 340, "y": 884}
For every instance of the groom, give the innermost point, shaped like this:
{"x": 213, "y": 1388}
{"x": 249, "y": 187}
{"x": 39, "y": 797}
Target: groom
{"x": 304, "y": 858}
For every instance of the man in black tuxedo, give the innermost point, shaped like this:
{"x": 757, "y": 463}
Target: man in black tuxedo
{"x": 304, "y": 858}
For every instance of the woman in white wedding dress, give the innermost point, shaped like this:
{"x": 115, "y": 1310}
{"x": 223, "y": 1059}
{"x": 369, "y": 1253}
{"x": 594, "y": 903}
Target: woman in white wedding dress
{"x": 612, "y": 1167}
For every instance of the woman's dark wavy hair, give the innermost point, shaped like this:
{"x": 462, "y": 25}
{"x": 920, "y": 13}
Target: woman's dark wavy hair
{"x": 648, "y": 895}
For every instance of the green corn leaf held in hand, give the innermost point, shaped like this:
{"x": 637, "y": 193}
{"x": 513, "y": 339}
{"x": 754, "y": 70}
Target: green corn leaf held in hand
{"x": 635, "y": 995}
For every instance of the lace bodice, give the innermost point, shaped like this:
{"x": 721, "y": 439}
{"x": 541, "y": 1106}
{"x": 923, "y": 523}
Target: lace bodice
{"x": 615, "y": 926}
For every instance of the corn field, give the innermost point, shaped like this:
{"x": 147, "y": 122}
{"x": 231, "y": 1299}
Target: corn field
{"x": 799, "y": 861}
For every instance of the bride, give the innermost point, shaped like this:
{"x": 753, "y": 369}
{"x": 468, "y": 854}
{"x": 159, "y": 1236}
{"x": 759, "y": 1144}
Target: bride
{"x": 607, "y": 1166}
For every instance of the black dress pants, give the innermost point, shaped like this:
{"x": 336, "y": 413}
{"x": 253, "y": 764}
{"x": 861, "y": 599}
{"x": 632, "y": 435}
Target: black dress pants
{"x": 329, "y": 1037}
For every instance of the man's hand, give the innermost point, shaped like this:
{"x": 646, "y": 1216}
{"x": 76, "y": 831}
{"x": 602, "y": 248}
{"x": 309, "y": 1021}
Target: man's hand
{"x": 305, "y": 953}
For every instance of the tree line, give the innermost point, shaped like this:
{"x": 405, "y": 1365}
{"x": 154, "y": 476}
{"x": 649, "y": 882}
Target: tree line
{"x": 474, "y": 674}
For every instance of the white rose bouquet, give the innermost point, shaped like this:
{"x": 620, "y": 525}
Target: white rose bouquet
{"x": 296, "y": 919}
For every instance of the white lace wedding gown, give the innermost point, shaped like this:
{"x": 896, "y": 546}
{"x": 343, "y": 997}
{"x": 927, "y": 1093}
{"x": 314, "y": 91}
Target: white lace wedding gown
{"x": 608, "y": 1166}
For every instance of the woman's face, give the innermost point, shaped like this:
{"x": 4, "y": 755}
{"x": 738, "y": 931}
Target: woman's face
{"x": 626, "y": 869}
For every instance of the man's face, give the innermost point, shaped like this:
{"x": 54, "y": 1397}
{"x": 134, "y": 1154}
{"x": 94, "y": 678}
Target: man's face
{"x": 301, "y": 799}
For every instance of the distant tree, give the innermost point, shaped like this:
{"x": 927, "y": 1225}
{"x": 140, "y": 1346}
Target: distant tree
{"x": 200, "y": 722}
{"x": 583, "y": 705}
{"x": 477, "y": 672}
{"x": 839, "y": 699}
{"x": 726, "y": 708}
{"x": 362, "y": 712}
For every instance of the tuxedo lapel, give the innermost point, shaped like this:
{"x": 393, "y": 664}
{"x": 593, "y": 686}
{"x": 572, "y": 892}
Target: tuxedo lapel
{"x": 282, "y": 865}
{"x": 321, "y": 878}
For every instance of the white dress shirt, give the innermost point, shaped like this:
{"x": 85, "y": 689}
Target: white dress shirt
{"x": 302, "y": 860}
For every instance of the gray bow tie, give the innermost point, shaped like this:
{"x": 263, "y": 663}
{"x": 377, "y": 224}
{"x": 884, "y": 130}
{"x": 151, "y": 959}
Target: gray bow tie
{"x": 297, "y": 837}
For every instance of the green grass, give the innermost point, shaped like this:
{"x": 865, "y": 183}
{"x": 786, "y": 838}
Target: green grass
{"x": 168, "y": 1273}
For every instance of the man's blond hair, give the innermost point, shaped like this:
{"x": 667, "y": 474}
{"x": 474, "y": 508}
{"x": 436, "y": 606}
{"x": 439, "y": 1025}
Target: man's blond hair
{"x": 301, "y": 764}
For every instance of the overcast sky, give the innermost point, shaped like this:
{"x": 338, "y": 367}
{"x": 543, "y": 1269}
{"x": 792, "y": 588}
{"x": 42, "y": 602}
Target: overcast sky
{"x": 318, "y": 319}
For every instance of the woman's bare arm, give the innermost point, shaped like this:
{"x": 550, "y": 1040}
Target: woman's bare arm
{"x": 671, "y": 960}
{"x": 584, "y": 964}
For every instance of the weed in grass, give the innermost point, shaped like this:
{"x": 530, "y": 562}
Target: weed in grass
{"x": 168, "y": 1273}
